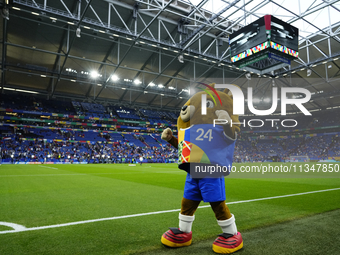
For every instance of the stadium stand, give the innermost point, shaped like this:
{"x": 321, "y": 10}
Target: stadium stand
{"x": 50, "y": 131}
{"x": 127, "y": 113}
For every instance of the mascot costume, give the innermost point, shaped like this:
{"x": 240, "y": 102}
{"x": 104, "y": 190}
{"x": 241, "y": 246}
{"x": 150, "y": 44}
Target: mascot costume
{"x": 202, "y": 146}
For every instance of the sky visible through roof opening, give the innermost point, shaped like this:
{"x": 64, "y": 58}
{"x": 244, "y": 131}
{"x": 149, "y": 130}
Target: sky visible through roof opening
{"x": 313, "y": 16}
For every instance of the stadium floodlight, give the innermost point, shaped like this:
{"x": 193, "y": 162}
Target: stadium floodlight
{"x": 27, "y": 91}
{"x": 94, "y": 74}
{"x": 114, "y": 78}
{"x": 185, "y": 90}
{"x": 151, "y": 84}
{"x": 8, "y": 88}
{"x": 256, "y": 100}
{"x": 266, "y": 100}
{"x": 160, "y": 86}
{"x": 172, "y": 88}
{"x": 137, "y": 82}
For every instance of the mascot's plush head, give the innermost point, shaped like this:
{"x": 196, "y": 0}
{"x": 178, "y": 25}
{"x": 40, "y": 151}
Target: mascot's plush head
{"x": 216, "y": 101}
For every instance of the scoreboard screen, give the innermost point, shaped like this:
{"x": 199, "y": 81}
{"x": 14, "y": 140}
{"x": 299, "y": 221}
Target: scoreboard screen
{"x": 267, "y": 37}
{"x": 284, "y": 34}
{"x": 247, "y": 37}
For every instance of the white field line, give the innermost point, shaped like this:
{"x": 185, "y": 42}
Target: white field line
{"x": 34, "y": 175}
{"x": 152, "y": 213}
{"x": 50, "y": 167}
{"x": 12, "y": 225}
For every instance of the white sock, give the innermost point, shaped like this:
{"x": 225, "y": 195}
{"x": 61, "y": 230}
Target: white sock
{"x": 228, "y": 226}
{"x": 185, "y": 222}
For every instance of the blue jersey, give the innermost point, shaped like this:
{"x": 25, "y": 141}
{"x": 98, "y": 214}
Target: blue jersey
{"x": 205, "y": 144}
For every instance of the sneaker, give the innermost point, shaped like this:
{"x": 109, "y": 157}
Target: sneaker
{"x": 176, "y": 238}
{"x": 227, "y": 243}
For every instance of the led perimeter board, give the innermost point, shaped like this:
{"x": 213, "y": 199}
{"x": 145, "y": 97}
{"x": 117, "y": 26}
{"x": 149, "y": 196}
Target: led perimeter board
{"x": 266, "y": 38}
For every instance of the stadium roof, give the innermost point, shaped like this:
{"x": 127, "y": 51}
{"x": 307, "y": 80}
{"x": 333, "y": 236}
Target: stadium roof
{"x": 148, "y": 52}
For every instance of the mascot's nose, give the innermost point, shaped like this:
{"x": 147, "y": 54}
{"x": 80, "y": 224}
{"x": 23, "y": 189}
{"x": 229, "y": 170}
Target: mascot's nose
{"x": 184, "y": 107}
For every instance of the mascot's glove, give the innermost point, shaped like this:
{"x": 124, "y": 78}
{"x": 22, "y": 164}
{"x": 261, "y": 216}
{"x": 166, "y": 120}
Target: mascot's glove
{"x": 167, "y": 135}
{"x": 222, "y": 115}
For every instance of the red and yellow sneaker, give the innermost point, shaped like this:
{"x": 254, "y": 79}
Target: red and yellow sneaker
{"x": 227, "y": 243}
{"x": 176, "y": 238}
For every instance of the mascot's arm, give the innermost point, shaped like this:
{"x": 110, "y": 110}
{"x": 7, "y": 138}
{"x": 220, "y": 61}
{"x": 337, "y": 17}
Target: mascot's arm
{"x": 167, "y": 136}
{"x": 228, "y": 130}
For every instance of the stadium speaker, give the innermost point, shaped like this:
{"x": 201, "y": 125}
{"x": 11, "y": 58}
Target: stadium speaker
{"x": 181, "y": 58}
{"x": 78, "y": 32}
{"x": 5, "y": 13}
{"x": 248, "y": 76}
{"x": 309, "y": 72}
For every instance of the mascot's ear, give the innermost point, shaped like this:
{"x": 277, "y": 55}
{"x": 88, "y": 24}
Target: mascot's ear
{"x": 212, "y": 85}
{"x": 228, "y": 92}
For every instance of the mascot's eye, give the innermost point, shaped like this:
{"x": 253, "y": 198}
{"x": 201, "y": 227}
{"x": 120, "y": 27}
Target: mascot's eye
{"x": 210, "y": 104}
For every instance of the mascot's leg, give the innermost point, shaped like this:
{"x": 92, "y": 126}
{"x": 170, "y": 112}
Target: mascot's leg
{"x": 182, "y": 236}
{"x": 230, "y": 240}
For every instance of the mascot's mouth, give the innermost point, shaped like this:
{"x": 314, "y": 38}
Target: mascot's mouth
{"x": 187, "y": 112}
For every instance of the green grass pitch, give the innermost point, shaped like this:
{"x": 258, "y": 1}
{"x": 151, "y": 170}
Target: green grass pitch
{"x": 47, "y": 195}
